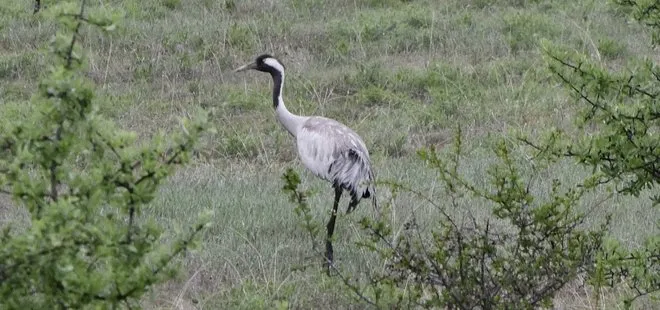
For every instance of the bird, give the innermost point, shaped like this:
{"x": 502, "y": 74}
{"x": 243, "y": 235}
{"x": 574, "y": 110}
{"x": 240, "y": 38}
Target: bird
{"x": 329, "y": 149}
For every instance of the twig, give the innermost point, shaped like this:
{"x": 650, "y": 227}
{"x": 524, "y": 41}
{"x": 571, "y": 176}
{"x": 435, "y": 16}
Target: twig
{"x": 53, "y": 167}
{"x": 346, "y": 281}
{"x": 420, "y": 195}
{"x": 75, "y": 36}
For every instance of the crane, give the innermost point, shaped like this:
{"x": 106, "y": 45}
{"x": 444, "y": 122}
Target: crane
{"x": 326, "y": 147}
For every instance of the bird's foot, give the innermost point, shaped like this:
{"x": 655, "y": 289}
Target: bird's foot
{"x": 327, "y": 266}
{"x": 328, "y": 261}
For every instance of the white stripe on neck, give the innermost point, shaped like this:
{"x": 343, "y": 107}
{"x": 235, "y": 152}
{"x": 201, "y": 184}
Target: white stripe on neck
{"x": 275, "y": 64}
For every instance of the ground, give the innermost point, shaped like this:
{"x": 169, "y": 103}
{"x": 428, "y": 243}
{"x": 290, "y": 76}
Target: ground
{"x": 402, "y": 74}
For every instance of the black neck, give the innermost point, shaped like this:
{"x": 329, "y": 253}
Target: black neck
{"x": 277, "y": 87}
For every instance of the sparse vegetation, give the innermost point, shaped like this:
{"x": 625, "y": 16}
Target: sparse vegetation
{"x": 401, "y": 73}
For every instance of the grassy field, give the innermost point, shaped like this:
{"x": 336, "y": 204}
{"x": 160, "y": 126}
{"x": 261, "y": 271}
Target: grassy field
{"x": 403, "y": 74}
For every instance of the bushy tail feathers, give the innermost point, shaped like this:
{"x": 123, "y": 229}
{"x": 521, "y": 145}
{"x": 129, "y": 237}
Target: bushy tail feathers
{"x": 363, "y": 181}
{"x": 373, "y": 200}
{"x": 371, "y": 193}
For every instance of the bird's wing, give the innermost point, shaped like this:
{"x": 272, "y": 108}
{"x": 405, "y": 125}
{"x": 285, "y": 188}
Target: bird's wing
{"x": 316, "y": 151}
{"x": 336, "y": 153}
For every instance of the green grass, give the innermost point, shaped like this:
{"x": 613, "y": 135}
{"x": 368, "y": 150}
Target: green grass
{"x": 403, "y": 74}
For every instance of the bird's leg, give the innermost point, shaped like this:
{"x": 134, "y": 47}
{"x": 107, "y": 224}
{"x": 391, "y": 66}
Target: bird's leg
{"x": 331, "y": 230}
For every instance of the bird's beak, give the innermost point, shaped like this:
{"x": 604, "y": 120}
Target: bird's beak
{"x": 246, "y": 67}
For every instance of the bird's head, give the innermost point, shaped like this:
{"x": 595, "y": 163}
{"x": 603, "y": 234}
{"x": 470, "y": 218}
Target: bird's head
{"x": 264, "y": 63}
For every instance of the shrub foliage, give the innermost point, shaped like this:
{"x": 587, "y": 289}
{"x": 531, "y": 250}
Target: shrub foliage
{"x": 622, "y": 113}
{"x": 519, "y": 257}
{"x": 84, "y": 183}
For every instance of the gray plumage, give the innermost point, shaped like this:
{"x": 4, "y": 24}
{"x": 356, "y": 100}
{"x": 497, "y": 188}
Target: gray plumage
{"x": 336, "y": 153}
{"x": 329, "y": 149}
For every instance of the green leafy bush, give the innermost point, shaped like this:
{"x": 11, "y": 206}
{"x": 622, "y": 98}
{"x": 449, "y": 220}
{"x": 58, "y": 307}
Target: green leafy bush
{"x": 622, "y": 112}
{"x": 84, "y": 183}
{"x": 519, "y": 257}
